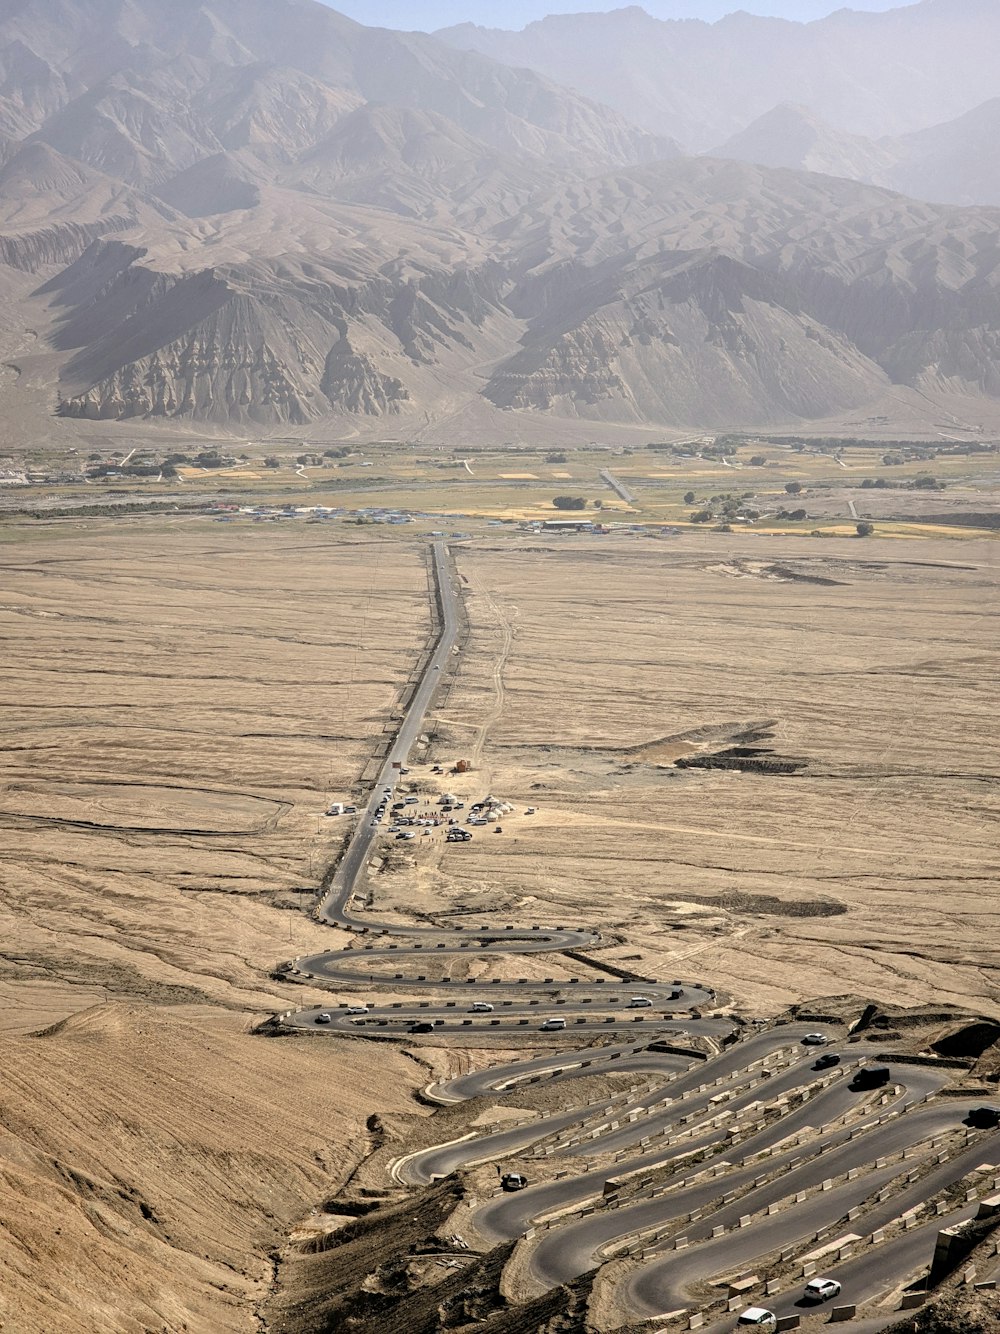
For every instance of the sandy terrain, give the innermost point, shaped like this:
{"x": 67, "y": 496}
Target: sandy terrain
{"x": 868, "y": 869}
{"x": 153, "y": 1166}
{"x": 178, "y": 710}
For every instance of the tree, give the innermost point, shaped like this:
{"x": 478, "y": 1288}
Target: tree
{"x": 272, "y": 462}
{"x": 793, "y": 488}
{"x": 703, "y": 516}
{"x": 688, "y": 497}
{"x": 757, "y": 461}
{"x": 598, "y": 504}
{"x": 864, "y": 528}
{"x": 569, "y": 503}
{"x": 555, "y": 458}
{"x": 797, "y": 514}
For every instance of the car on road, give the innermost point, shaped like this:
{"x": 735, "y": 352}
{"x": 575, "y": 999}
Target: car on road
{"x": 480, "y": 1007}
{"x": 983, "y": 1118}
{"x": 639, "y": 1003}
{"x": 825, "y": 1061}
{"x": 513, "y": 1181}
{"x": 551, "y": 1024}
{"x": 357, "y": 1009}
{"x": 422, "y": 1027}
{"x": 322, "y": 1019}
{"x": 871, "y": 1077}
{"x": 821, "y": 1290}
{"x": 759, "y": 1318}
{"x": 815, "y": 1040}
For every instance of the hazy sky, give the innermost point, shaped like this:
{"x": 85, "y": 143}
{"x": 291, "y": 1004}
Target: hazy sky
{"x": 429, "y": 14}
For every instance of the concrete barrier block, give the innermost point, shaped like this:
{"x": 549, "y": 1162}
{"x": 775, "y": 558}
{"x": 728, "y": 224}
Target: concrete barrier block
{"x": 911, "y": 1300}
{"x": 841, "y": 1313}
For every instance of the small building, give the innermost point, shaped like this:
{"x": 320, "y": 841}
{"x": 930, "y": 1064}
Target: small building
{"x": 568, "y": 526}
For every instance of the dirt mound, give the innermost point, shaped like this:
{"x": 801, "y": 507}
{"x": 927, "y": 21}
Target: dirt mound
{"x": 398, "y": 1269}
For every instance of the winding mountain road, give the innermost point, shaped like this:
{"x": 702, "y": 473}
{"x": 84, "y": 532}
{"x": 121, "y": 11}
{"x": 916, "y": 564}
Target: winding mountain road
{"x": 722, "y": 1161}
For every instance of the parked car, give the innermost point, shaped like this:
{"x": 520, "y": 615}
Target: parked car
{"x": 826, "y": 1060}
{"x": 513, "y": 1181}
{"x": 815, "y": 1040}
{"x": 322, "y": 1019}
{"x": 821, "y": 1289}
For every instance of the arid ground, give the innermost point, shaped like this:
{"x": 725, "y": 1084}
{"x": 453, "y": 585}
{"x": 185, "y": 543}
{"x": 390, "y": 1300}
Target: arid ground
{"x": 182, "y": 700}
{"x": 868, "y": 868}
{"x": 179, "y": 708}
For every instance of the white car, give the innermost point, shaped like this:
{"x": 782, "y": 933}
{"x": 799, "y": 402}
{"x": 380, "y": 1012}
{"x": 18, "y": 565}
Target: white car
{"x": 815, "y": 1040}
{"x": 639, "y": 1003}
{"x": 551, "y": 1024}
{"x": 357, "y": 1009}
{"x": 821, "y": 1289}
{"x": 759, "y": 1318}
{"x": 481, "y": 1007}
{"x": 322, "y": 1019}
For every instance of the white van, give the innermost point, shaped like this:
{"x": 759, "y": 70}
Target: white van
{"x": 639, "y": 1003}
{"x": 550, "y": 1024}
{"x": 757, "y": 1317}
{"x": 481, "y": 1007}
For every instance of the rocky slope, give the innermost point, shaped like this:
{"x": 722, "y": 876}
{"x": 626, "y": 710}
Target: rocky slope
{"x": 125, "y": 1206}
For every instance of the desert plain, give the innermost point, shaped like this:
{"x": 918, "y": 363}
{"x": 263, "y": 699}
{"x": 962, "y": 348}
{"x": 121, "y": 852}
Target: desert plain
{"x": 182, "y": 701}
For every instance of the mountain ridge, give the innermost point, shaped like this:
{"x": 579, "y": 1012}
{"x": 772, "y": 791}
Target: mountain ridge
{"x": 266, "y": 213}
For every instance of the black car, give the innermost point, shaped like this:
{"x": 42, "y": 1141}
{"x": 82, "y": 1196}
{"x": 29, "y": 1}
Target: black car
{"x": 422, "y": 1027}
{"x": 983, "y": 1118}
{"x": 826, "y": 1060}
{"x": 871, "y": 1077}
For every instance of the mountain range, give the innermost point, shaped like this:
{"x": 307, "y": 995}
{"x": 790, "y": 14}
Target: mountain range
{"x": 260, "y": 211}
{"x": 871, "y": 74}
